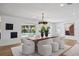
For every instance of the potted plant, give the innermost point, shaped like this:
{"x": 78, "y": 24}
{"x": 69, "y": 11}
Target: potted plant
{"x": 42, "y": 31}
{"x": 47, "y": 31}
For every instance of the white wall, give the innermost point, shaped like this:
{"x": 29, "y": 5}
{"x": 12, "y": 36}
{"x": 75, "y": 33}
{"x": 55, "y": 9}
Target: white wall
{"x": 57, "y": 28}
{"x": 77, "y": 29}
{"x": 17, "y": 22}
{"x": 61, "y": 29}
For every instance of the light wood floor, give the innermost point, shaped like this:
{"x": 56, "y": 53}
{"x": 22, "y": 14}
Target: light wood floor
{"x": 69, "y": 42}
{"x": 6, "y": 50}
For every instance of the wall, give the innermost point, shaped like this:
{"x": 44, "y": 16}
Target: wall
{"x": 56, "y": 28}
{"x": 17, "y": 22}
{"x": 61, "y": 29}
{"x": 77, "y": 29}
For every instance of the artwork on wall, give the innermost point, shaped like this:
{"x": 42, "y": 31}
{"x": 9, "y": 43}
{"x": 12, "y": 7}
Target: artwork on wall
{"x": 69, "y": 29}
{"x": 13, "y": 34}
{"x": 28, "y": 29}
{"x": 9, "y": 26}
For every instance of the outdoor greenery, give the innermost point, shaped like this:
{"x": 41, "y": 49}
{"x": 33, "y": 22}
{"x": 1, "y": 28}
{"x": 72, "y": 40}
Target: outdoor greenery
{"x": 24, "y": 31}
{"x": 28, "y": 29}
{"x": 33, "y": 29}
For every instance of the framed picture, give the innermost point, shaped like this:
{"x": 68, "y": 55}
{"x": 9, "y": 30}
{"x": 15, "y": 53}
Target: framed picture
{"x": 9, "y": 26}
{"x": 13, "y": 34}
{"x": 69, "y": 29}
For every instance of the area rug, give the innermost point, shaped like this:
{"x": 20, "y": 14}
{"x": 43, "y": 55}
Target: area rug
{"x": 73, "y": 51}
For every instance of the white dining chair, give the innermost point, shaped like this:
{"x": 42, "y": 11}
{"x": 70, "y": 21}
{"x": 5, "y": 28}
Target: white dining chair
{"x": 60, "y": 41}
{"x": 44, "y": 48}
{"x": 55, "y": 46}
{"x": 57, "y": 39}
{"x": 28, "y": 47}
{"x": 61, "y": 44}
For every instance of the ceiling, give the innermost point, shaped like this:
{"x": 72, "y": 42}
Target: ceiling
{"x": 53, "y": 12}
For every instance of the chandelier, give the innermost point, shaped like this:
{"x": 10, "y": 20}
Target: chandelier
{"x": 43, "y": 22}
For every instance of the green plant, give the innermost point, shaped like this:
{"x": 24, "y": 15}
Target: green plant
{"x": 47, "y": 29}
{"x": 42, "y": 29}
{"x": 24, "y": 31}
{"x": 23, "y": 26}
{"x": 33, "y": 30}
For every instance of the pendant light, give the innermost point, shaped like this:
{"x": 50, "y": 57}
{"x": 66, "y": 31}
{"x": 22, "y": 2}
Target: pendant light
{"x": 43, "y": 22}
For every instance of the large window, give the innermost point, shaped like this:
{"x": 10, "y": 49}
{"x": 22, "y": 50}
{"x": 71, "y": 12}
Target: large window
{"x": 28, "y": 29}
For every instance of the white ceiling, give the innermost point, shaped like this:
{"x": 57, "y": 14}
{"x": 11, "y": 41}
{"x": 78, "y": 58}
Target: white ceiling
{"x": 53, "y": 12}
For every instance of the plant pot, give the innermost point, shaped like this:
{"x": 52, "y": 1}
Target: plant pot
{"x": 46, "y": 34}
{"x": 42, "y": 34}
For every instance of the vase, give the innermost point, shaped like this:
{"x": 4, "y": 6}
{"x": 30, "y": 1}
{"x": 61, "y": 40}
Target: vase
{"x": 42, "y": 34}
{"x": 46, "y": 34}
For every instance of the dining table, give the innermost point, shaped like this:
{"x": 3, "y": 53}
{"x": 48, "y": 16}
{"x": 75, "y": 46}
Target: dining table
{"x": 37, "y": 39}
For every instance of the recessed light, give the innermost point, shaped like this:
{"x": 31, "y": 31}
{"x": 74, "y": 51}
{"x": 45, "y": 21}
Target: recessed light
{"x": 61, "y": 5}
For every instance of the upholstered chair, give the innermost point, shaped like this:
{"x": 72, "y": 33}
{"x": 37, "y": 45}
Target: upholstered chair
{"x": 28, "y": 47}
{"x": 57, "y": 39}
{"x": 55, "y": 46}
{"x": 60, "y": 41}
{"x": 61, "y": 44}
{"x": 44, "y": 48}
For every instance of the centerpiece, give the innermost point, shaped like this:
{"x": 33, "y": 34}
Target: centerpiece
{"x": 44, "y": 28}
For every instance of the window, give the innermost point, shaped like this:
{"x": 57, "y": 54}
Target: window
{"x": 28, "y": 29}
